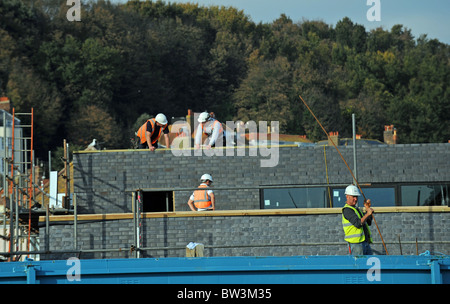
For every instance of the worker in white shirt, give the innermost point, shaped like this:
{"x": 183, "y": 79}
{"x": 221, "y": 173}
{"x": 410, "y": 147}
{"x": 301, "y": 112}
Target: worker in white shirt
{"x": 212, "y": 128}
{"x": 203, "y": 199}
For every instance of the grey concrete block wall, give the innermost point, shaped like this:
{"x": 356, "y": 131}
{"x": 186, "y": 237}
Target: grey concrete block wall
{"x": 101, "y": 179}
{"x": 268, "y": 235}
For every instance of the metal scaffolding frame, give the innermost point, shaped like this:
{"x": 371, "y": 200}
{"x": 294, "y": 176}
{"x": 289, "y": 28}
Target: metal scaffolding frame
{"x": 18, "y": 181}
{"x": 20, "y": 187}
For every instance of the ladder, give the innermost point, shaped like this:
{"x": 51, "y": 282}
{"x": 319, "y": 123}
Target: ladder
{"x": 22, "y": 171}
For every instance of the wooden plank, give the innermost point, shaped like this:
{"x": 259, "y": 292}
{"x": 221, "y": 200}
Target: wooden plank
{"x": 292, "y": 211}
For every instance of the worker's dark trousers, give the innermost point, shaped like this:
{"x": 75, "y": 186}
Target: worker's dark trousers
{"x": 145, "y": 145}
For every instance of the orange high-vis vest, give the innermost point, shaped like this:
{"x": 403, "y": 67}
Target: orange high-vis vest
{"x": 201, "y": 198}
{"x": 143, "y": 128}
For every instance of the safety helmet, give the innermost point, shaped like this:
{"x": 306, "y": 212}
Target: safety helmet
{"x": 203, "y": 117}
{"x": 206, "y": 177}
{"x": 352, "y": 190}
{"x": 161, "y": 118}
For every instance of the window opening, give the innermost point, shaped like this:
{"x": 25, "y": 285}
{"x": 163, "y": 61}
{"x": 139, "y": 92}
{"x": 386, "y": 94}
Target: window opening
{"x": 157, "y": 201}
{"x": 379, "y": 196}
{"x": 425, "y": 195}
{"x": 314, "y": 197}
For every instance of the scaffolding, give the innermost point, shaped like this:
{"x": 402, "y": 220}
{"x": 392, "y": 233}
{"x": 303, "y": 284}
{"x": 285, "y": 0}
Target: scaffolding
{"x": 21, "y": 206}
{"x": 19, "y": 187}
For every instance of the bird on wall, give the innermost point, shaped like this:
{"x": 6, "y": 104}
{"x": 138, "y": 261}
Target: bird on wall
{"x": 92, "y": 146}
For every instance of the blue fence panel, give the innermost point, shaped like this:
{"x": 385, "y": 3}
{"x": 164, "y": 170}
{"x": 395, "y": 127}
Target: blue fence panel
{"x": 233, "y": 270}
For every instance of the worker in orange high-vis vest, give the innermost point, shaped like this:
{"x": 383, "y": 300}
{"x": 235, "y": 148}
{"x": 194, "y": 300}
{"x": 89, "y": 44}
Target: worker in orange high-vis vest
{"x": 203, "y": 199}
{"x": 150, "y": 132}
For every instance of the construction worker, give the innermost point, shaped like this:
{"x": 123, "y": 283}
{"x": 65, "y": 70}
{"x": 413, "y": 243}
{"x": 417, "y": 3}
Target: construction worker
{"x": 151, "y": 131}
{"x": 212, "y": 128}
{"x": 203, "y": 199}
{"x": 356, "y": 224}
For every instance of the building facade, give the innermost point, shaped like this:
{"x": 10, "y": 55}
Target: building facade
{"x": 272, "y": 201}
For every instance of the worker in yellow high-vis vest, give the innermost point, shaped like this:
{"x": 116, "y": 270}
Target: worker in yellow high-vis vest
{"x": 356, "y": 224}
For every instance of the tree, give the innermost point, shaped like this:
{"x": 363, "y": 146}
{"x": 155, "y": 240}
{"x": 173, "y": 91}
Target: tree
{"x": 369, "y": 108}
{"x": 351, "y": 35}
{"x": 27, "y": 90}
{"x": 93, "y": 122}
{"x": 264, "y": 94}
{"x": 6, "y": 52}
{"x": 124, "y": 60}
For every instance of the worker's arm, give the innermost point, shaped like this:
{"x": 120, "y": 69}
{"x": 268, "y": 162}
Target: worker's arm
{"x": 351, "y": 216}
{"x": 149, "y": 141}
{"x": 191, "y": 204}
{"x": 166, "y": 140}
{"x": 213, "y": 201}
{"x": 367, "y": 217}
{"x": 198, "y": 137}
{"x": 214, "y": 135}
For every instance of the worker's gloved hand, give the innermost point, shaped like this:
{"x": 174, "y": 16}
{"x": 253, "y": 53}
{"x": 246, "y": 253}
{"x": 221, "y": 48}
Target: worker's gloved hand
{"x": 367, "y": 205}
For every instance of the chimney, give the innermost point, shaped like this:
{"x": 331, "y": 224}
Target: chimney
{"x": 390, "y": 135}
{"x": 5, "y": 104}
{"x": 190, "y": 121}
{"x": 333, "y": 138}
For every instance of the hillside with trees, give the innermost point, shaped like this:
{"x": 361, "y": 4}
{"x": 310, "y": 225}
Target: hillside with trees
{"x": 95, "y": 78}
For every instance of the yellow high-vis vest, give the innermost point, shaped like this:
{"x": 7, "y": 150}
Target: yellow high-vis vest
{"x": 353, "y": 234}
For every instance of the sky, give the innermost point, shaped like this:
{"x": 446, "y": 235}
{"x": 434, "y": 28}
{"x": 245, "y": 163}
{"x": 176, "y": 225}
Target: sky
{"x": 430, "y": 17}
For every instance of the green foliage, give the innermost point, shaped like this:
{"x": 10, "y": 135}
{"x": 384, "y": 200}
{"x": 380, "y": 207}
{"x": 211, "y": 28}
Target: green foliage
{"x": 98, "y": 77}
{"x": 265, "y": 93}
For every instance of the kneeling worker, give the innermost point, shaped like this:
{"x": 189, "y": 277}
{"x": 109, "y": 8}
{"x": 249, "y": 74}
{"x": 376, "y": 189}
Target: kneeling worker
{"x": 150, "y": 132}
{"x": 355, "y": 224}
{"x": 210, "y": 126}
{"x": 203, "y": 199}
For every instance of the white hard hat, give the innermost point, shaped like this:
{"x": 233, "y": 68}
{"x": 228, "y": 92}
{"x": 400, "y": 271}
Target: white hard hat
{"x": 352, "y": 190}
{"x": 206, "y": 177}
{"x": 161, "y": 118}
{"x": 203, "y": 117}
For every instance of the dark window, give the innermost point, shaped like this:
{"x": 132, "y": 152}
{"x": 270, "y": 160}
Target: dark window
{"x": 425, "y": 195}
{"x": 160, "y": 201}
{"x": 379, "y": 196}
{"x": 294, "y": 198}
